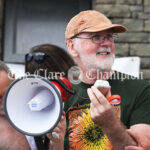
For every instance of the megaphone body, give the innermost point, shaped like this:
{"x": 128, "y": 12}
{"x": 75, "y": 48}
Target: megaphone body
{"x": 33, "y": 105}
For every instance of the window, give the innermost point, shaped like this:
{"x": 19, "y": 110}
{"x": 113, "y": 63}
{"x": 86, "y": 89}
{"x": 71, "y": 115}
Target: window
{"x": 32, "y": 22}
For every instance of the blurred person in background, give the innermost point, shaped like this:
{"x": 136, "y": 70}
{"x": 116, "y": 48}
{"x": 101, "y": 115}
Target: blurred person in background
{"x": 10, "y": 138}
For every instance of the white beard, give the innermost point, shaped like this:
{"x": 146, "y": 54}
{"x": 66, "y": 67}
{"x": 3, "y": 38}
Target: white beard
{"x": 106, "y": 64}
{"x": 92, "y": 63}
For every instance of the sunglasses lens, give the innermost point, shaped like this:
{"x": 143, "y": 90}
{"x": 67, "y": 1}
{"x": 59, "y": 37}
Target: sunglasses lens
{"x": 28, "y": 57}
{"x": 39, "y": 56}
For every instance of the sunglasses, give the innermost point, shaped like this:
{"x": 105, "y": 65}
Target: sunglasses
{"x": 38, "y": 57}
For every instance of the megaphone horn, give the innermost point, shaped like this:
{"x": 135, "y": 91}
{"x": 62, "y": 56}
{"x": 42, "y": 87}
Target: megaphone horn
{"x": 33, "y": 104}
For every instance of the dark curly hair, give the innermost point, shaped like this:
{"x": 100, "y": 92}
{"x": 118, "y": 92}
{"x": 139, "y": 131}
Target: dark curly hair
{"x": 55, "y": 60}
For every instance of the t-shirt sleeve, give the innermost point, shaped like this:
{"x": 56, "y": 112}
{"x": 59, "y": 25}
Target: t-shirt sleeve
{"x": 141, "y": 110}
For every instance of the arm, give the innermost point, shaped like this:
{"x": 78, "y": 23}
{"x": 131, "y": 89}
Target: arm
{"x": 10, "y": 138}
{"x": 102, "y": 113}
{"x": 58, "y": 143}
{"x": 141, "y": 133}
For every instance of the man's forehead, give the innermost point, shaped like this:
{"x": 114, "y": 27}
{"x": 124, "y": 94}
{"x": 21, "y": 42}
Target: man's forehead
{"x": 3, "y": 74}
{"x": 4, "y": 77}
{"x": 99, "y": 32}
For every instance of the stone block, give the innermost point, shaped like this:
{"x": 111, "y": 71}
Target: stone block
{"x": 131, "y": 24}
{"x": 136, "y": 8}
{"x": 146, "y": 73}
{"x": 114, "y": 10}
{"x": 146, "y": 2}
{"x": 147, "y": 25}
{"x": 119, "y": 1}
{"x": 148, "y": 37}
{"x": 140, "y": 50}
{"x": 145, "y": 62}
{"x": 1, "y": 6}
{"x": 122, "y": 49}
{"x": 106, "y": 1}
{"x": 147, "y": 9}
{"x": 142, "y": 15}
{"x": 132, "y": 1}
{"x": 1, "y": 3}
{"x": 134, "y": 15}
{"x": 133, "y": 37}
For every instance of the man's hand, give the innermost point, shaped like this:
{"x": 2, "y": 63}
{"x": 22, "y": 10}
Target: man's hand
{"x": 103, "y": 114}
{"x": 141, "y": 133}
{"x": 101, "y": 111}
{"x": 58, "y": 143}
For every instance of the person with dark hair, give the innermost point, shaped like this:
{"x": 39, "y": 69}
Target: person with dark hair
{"x": 10, "y": 138}
{"x": 91, "y": 120}
{"x": 48, "y": 61}
{"x": 51, "y": 62}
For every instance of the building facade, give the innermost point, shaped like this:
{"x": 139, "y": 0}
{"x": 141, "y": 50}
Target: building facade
{"x": 134, "y": 14}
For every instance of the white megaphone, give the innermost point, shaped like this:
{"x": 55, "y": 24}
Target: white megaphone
{"x": 33, "y": 104}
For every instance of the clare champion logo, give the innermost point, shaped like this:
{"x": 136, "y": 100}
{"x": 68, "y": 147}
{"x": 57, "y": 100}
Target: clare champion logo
{"x": 75, "y": 75}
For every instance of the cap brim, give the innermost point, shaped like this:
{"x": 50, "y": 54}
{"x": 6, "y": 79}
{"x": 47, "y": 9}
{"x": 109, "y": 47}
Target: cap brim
{"x": 116, "y": 28}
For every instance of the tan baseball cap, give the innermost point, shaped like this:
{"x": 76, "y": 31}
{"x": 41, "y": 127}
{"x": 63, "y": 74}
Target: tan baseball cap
{"x": 90, "y": 21}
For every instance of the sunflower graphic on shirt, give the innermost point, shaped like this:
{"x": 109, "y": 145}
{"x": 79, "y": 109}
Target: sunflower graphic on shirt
{"x": 84, "y": 134}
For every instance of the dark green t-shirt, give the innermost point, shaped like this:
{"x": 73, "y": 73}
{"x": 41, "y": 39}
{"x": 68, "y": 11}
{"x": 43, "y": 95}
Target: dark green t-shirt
{"x": 83, "y": 134}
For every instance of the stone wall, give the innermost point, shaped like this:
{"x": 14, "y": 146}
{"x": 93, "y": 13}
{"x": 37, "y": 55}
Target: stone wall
{"x": 135, "y": 15}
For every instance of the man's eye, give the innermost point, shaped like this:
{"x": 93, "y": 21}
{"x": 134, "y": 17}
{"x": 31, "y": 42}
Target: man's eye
{"x": 110, "y": 35}
{"x": 96, "y": 37}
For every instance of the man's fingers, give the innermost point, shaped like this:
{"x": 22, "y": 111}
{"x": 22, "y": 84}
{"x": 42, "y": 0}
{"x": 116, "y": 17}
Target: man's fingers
{"x": 108, "y": 94}
{"x": 92, "y": 97}
{"x": 133, "y": 148}
{"x": 99, "y": 96}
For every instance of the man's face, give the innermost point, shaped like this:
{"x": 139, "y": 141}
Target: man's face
{"x": 4, "y": 83}
{"x": 96, "y": 55}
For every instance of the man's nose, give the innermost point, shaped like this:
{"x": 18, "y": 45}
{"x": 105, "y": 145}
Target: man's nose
{"x": 106, "y": 38}
{"x": 106, "y": 42}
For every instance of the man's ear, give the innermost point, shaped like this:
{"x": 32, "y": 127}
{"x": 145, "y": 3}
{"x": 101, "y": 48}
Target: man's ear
{"x": 71, "y": 48}
{"x": 13, "y": 76}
